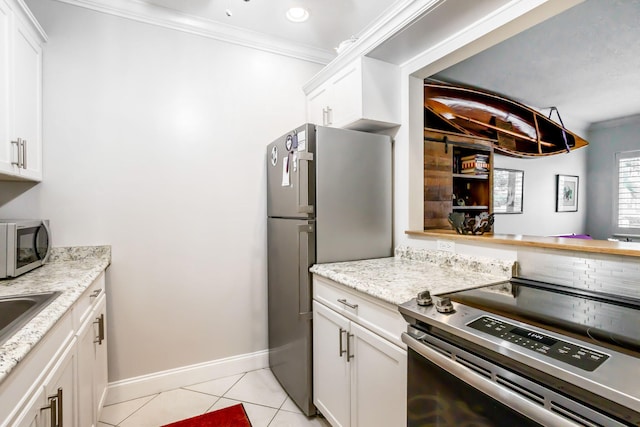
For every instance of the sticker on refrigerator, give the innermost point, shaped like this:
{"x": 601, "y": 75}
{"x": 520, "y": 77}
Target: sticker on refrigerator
{"x": 285, "y": 172}
{"x": 274, "y": 156}
{"x": 302, "y": 140}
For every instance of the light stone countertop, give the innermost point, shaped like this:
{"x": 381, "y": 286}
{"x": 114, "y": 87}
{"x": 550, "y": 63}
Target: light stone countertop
{"x": 70, "y": 271}
{"x": 399, "y": 279}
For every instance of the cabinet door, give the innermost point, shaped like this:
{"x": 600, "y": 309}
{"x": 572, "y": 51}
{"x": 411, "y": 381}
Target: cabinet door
{"x": 100, "y": 371}
{"x": 92, "y": 365}
{"x": 32, "y": 415}
{"x": 438, "y": 184}
{"x": 27, "y": 78}
{"x": 85, "y": 384}
{"x": 317, "y": 103}
{"x": 60, "y": 389}
{"x": 378, "y": 382}
{"x": 5, "y": 137}
{"x": 330, "y": 367}
{"x": 346, "y": 105}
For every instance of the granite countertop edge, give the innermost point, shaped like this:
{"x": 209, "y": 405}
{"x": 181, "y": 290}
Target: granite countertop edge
{"x": 70, "y": 271}
{"x": 398, "y": 279}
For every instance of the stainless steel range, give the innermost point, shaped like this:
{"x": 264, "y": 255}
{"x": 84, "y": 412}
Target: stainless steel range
{"x": 523, "y": 353}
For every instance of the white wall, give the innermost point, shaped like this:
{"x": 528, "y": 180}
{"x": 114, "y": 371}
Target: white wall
{"x": 539, "y": 217}
{"x": 607, "y": 138}
{"x": 154, "y": 143}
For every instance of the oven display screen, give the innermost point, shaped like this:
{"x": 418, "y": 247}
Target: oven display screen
{"x": 534, "y": 336}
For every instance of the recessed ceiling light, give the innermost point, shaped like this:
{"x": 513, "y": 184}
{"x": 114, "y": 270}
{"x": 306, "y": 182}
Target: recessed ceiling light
{"x": 297, "y": 14}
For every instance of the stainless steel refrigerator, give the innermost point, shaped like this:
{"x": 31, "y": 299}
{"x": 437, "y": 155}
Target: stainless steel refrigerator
{"x": 329, "y": 199}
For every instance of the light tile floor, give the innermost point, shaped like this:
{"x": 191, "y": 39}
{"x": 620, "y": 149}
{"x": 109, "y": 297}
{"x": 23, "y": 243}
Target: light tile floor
{"x": 264, "y": 400}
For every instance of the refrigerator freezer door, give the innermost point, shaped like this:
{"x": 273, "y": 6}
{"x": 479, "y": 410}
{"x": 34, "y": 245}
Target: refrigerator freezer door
{"x": 291, "y": 252}
{"x": 353, "y": 195}
{"x": 291, "y": 174}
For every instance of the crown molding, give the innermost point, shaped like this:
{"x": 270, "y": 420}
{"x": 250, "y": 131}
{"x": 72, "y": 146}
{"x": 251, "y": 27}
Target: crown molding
{"x": 391, "y": 22}
{"x": 155, "y": 15}
{"x": 24, "y": 13}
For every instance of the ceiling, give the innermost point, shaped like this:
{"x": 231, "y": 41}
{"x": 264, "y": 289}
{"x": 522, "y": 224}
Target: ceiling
{"x": 330, "y": 21}
{"x": 585, "y": 61}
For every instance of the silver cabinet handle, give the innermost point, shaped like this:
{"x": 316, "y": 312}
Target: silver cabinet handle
{"x": 344, "y": 301}
{"x": 349, "y": 355}
{"x": 24, "y": 154}
{"x": 100, "y": 322}
{"x": 329, "y": 116}
{"x": 342, "y": 331}
{"x": 19, "y": 152}
{"x": 324, "y": 116}
{"x": 55, "y": 407}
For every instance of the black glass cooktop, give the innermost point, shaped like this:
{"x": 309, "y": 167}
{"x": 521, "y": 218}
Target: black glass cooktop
{"x": 607, "y": 320}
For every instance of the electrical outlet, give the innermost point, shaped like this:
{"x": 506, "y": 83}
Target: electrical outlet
{"x": 446, "y": 246}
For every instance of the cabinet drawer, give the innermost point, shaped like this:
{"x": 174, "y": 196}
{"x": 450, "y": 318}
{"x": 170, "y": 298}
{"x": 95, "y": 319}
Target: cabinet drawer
{"x": 378, "y": 316}
{"x": 87, "y": 301}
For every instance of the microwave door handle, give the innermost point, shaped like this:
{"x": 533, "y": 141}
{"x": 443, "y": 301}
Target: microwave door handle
{"x": 45, "y": 226}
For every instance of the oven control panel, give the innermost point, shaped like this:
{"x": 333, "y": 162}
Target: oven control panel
{"x": 575, "y": 355}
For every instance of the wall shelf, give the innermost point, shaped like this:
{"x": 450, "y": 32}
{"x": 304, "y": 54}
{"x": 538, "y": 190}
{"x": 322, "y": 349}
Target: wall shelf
{"x": 470, "y": 208}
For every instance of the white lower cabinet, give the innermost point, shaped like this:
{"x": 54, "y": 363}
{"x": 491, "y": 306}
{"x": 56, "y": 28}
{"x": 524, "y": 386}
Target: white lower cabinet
{"x": 359, "y": 376}
{"x": 92, "y": 366}
{"x": 378, "y": 380}
{"x": 31, "y": 415}
{"x": 61, "y": 393}
{"x": 54, "y": 402}
{"x": 62, "y": 382}
{"x": 331, "y": 370}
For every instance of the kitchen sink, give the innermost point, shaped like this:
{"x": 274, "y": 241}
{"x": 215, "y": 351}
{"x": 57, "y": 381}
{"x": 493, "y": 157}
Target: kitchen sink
{"x": 17, "y": 310}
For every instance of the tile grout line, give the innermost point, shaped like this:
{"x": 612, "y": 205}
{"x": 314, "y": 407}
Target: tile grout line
{"x": 143, "y": 405}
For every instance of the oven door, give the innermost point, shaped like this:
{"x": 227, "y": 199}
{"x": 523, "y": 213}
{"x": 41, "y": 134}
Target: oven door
{"x": 450, "y": 387}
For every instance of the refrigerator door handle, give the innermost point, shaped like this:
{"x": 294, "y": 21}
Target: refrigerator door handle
{"x": 304, "y": 297}
{"x": 307, "y": 157}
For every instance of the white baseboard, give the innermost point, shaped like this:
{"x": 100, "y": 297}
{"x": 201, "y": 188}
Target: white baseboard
{"x": 145, "y": 385}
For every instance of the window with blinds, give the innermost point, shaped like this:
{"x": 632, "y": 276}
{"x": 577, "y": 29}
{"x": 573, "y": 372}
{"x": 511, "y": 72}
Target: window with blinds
{"x": 627, "y": 208}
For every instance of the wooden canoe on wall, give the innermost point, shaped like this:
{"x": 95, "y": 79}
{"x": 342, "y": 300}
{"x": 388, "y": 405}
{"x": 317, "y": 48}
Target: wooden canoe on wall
{"x": 519, "y": 131}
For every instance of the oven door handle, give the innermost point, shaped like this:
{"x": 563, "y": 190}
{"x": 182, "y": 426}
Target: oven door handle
{"x": 486, "y": 386}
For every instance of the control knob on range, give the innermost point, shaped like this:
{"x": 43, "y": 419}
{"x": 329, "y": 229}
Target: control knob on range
{"x": 444, "y": 305}
{"x": 424, "y": 298}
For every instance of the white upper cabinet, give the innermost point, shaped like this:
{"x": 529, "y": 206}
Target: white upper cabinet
{"x": 21, "y": 39}
{"x": 5, "y": 137}
{"x": 364, "y": 95}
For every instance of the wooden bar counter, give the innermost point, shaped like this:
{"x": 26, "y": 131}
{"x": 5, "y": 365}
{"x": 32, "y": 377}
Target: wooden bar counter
{"x": 559, "y": 243}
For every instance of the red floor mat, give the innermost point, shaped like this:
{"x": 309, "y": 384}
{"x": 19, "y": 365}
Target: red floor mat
{"x": 232, "y": 416}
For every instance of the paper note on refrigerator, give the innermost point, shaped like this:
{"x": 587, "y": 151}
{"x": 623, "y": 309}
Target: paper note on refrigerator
{"x": 285, "y": 172}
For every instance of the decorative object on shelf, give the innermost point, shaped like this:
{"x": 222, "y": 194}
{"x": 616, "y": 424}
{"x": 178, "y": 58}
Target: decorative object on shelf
{"x": 566, "y": 193}
{"x": 513, "y": 128}
{"x": 480, "y": 224}
{"x": 508, "y": 185}
{"x": 475, "y": 164}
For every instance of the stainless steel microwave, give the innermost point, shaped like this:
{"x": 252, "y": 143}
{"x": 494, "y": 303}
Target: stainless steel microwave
{"x": 24, "y": 245}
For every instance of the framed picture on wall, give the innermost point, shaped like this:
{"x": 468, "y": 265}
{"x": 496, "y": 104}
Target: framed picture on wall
{"x": 566, "y": 193}
{"x": 508, "y": 185}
